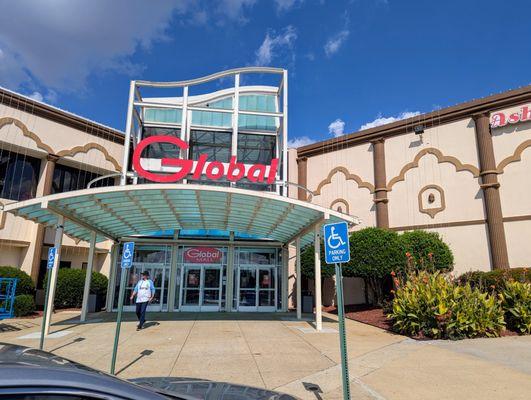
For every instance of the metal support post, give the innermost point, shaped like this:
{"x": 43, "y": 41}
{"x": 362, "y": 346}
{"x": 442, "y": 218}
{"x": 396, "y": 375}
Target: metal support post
{"x": 342, "y": 334}
{"x": 317, "y": 263}
{"x": 124, "y": 272}
{"x": 88, "y": 276}
{"x": 299, "y": 276}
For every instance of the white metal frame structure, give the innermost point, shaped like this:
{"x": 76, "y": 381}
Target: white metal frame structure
{"x": 187, "y": 104}
{"x": 135, "y": 211}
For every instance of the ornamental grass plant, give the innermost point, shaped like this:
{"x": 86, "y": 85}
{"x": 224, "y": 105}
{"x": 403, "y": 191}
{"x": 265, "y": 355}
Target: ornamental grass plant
{"x": 433, "y": 306}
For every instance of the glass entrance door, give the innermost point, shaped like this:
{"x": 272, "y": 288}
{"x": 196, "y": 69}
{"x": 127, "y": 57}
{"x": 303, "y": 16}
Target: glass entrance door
{"x": 256, "y": 288}
{"x": 201, "y": 288}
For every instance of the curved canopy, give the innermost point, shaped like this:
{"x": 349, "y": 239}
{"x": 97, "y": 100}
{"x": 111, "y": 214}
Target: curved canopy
{"x": 120, "y": 211}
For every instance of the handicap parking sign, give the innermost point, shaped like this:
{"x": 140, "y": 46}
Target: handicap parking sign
{"x": 337, "y": 249}
{"x": 127, "y": 254}
{"x": 52, "y": 252}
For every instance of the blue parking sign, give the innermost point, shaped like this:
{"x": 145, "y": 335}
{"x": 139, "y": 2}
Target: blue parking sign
{"x": 337, "y": 249}
{"x": 127, "y": 254}
{"x": 52, "y": 253}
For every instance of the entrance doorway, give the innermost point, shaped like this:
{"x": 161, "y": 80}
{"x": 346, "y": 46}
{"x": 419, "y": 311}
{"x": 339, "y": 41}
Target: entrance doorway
{"x": 201, "y": 288}
{"x": 257, "y": 288}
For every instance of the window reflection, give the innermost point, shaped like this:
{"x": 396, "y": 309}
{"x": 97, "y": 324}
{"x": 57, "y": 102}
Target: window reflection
{"x": 19, "y": 175}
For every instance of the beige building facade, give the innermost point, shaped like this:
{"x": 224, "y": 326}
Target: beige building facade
{"x": 462, "y": 171}
{"x": 46, "y": 150}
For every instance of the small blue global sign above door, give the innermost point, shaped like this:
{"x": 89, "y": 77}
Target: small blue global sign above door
{"x": 337, "y": 249}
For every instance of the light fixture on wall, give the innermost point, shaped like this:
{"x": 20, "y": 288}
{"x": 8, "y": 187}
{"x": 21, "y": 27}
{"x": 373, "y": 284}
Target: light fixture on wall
{"x": 419, "y": 130}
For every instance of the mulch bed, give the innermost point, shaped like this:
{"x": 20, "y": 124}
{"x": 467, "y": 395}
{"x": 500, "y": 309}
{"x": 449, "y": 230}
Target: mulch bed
{"x": 364, "y": 313}
{"x": 375, "y": 316}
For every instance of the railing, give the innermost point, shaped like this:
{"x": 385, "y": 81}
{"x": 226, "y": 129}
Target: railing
{"x": 8, "y": 287}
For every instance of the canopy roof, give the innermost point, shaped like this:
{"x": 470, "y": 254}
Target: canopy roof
{"x": 121, "y": 211}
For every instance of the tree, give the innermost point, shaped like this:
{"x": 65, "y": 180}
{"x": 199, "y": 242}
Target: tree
{"x": 374, "y": 254}
{"x": 427, "y": 250}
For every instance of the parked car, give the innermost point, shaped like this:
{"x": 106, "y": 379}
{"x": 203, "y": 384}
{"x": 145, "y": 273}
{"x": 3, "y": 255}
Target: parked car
{"x": 30, "y": 374}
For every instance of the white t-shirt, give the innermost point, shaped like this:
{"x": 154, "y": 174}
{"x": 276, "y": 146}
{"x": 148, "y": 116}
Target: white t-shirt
{"x": 144, "y": 290}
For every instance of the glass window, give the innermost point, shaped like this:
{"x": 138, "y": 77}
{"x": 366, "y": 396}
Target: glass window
{"x": 160, "y": 150}
{"x": 19, "y": 175}
{"x": 66, "y": 179}
{"x": 258, "y": 102}
{"x": 258, "y": 122}
{"x": 165, "y": 115}
{"x": 216, "y": 145}
{"x": 212, "y": 118}
{"x": 256, "y": 149}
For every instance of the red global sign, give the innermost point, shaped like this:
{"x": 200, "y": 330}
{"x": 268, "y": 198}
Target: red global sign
{"x": 501, "y": 119}
{"x": 202, "y": 255}
{"x": 214, "y": 170}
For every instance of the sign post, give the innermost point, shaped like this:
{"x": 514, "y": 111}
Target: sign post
{"x": 337, "y": 251}
{"x": 52, "y": 253}
{"x": 126, "y": 263}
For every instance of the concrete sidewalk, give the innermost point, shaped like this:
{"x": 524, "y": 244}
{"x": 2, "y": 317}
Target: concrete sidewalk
{"x": 276, "y": 351}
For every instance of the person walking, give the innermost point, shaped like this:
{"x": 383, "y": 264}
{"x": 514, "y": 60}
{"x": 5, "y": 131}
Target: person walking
{"x": 144, "y": 291}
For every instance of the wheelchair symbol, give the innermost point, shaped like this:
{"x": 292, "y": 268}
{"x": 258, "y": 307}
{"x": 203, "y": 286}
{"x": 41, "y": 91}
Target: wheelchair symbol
{"x": 127, "y": 253}
{"x": 336, "y": 238}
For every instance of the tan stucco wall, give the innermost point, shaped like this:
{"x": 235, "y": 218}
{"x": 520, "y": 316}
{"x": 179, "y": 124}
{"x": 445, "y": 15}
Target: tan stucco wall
{"x": 37, "y": 137}
{"x": 445, "y": 156}
{"x": 51, "y": 137}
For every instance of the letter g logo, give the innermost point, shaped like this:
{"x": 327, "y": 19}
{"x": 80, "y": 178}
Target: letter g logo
{"x": 186, "y": 165}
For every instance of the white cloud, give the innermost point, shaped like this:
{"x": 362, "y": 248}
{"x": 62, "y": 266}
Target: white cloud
{"x": 380, "y": 120}
{"x": 234, "y": 9}
{"x": 299, "y": 142}
{"x": 58, "y": 44}
{"x": 274, "y": 44}
{"x": 333, "y": 44}
{"x": 337, "y": 128}
{"x": 36, "y": 96}
{"x": 286, "y": 5}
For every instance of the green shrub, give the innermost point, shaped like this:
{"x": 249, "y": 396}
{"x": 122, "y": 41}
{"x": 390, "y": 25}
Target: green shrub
{"x": 70, "y": 286}
{"x": 24, "y": 305}
{"x": 308, "y": 264}
{"x": 516, "y": 303}
{"x": 426, "y": 250}
{"x": 495, "y": 280}
{"x": 374, "y": 254}
{"x": 24, "y": 285}
{"x": 434, "y": 306}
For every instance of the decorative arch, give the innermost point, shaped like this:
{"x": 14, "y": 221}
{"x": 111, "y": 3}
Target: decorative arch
{"x": 85, "y": 149}
{"x": 26, "y": 132}
{"x": 441, "y": 158}
{"x": 515, "y": 157}
{"x": 343, "y": 202}
{"x": 348, "y": 176}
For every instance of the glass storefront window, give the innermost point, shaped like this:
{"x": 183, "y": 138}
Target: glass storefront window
{"x": 19, "y": 175}
{"x": 216, "y": 145}
{"x": 256, "y": 149}
{"x": 161, "y": 150}
{"x": 66, "y": 179}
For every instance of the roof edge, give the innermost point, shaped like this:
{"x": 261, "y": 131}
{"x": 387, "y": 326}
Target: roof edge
{"x": 433, "y": 118}
{"x": 21, "y": 102}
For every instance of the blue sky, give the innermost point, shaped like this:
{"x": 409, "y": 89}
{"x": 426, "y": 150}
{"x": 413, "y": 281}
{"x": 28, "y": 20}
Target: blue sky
{"x": 352, "y": 63}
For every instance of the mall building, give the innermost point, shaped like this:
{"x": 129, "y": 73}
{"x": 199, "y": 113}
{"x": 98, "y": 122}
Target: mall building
{"x": 198, "y": 180}
{"x": 462, "y": 171}
{"x": 219, "y": 208}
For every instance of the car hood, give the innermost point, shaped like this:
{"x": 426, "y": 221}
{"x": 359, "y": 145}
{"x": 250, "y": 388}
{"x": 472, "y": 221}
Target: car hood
{"x": 209, "y": 390}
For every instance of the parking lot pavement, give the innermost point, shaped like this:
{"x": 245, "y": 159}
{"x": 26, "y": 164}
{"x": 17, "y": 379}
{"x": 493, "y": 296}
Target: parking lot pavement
{"x": 278, "y": 352}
